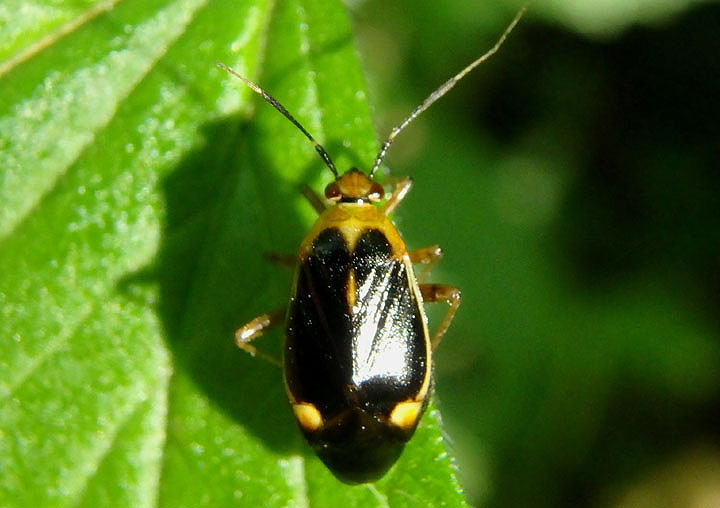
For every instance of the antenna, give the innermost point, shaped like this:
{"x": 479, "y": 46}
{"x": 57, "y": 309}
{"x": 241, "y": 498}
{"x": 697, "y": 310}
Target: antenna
{"x": 274, "y": 103}
{"x": 445, "y": 88}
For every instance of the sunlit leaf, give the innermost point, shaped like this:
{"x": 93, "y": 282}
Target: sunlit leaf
{"x": 139, "y": 187}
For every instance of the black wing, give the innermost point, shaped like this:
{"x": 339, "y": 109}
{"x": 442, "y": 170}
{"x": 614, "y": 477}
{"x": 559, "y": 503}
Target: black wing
{"x": 366, "y": 351}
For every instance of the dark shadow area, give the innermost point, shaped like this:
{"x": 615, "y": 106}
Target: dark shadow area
{"x": 200, "y": 260}
{"x": 205, "y": 289}
{"x": 640, "y": 116}
{"x": 214, "y": 276}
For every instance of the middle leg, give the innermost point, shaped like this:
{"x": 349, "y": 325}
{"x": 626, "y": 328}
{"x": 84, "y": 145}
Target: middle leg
{"x": 427, "y": 256}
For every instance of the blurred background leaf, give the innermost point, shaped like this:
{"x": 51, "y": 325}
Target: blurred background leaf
{"x": 572, "y": 182}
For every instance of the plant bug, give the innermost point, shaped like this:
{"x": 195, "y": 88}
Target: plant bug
{"x": 357, "y": 356}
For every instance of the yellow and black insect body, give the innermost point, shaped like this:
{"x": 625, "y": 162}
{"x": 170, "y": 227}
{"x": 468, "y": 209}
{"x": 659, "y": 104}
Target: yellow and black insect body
{"x": 357, "y": 353}
{"x": 357, "y": 356}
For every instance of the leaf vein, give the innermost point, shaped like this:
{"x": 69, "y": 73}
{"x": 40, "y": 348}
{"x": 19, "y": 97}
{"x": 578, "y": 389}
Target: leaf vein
{"x": 51, "y": 38}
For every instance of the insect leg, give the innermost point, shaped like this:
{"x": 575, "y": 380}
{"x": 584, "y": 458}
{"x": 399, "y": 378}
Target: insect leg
{"x": 433, "y": 293}
{"x": 427, "y": 256}
{"x": 313, "y": 198}
{"x": 398, "y": 194}
{"x": 284, "y": 260}
{"x": 254, "y": 329}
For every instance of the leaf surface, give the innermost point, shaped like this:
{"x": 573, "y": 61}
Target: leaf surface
{"x": 139, "y": 187}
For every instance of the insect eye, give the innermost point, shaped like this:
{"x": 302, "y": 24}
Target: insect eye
{"x": 376, "y": 192}
{"x": 333, "y": 192}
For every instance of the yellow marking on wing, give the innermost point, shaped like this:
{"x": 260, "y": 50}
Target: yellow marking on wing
{"x": 351, "y": 291}
{"x": 425, "y": 387}
{"x": 405, "y": 414}
{"x": 308, "y": 416}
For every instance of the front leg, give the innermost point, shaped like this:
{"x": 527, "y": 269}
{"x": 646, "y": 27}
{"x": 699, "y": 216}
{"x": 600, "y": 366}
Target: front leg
{"x": 313, "y": 198}
{"x": 402, "y": 187}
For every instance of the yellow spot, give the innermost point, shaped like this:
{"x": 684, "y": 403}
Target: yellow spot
{"x": 308, "y": 416}
{"x": 351, "y": 291}
{"x": 405, "y": 414}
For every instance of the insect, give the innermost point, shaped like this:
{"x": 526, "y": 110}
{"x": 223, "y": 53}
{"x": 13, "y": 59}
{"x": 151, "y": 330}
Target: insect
{"x": 357, "y": 356}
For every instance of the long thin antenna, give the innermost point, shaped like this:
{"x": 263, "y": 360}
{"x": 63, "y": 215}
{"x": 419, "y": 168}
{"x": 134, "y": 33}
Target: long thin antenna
{"x": 445, "y": 88}
{"x": 274, "y": 103}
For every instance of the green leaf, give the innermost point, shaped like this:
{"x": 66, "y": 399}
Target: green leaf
{"x": 139, "y": 187}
